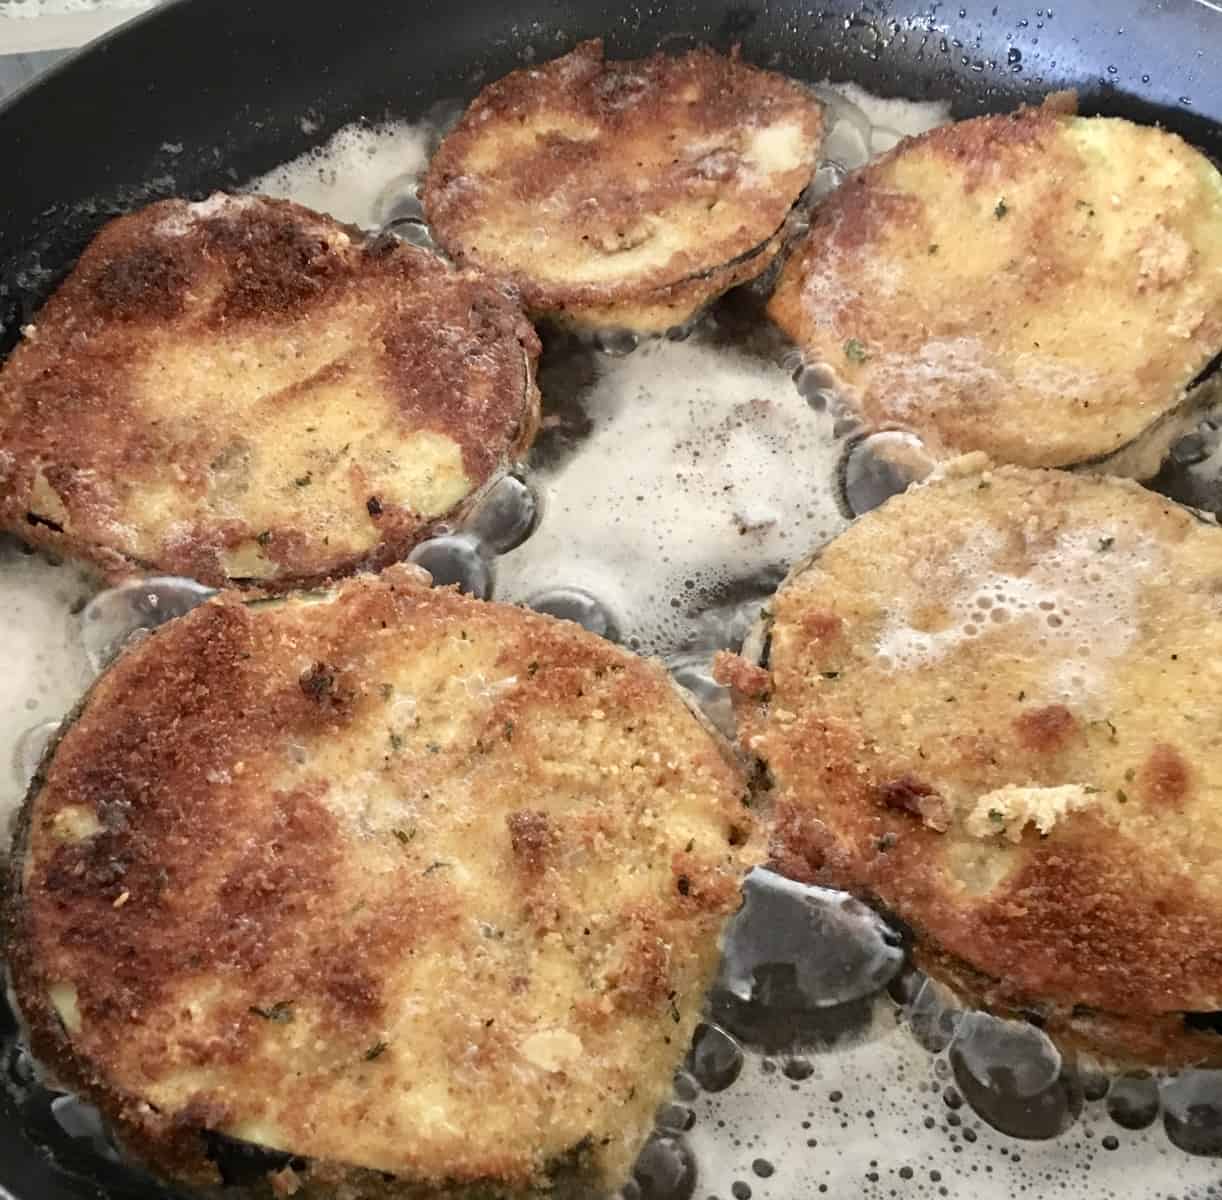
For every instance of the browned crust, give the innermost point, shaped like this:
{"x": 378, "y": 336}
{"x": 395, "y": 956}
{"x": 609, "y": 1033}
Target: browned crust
{"x": 202, "y": 866}
{"x": 879, "y": 281}
{"x": 597, "y": 186}
{"x": 171, "y": 276}
{"x": 1107, "y": 933}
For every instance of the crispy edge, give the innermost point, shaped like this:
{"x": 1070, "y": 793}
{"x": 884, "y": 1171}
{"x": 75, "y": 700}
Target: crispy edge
{"x": 131, "y": 279}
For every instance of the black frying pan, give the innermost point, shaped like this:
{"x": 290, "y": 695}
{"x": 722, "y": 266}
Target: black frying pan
{"x": 230, "y": 81}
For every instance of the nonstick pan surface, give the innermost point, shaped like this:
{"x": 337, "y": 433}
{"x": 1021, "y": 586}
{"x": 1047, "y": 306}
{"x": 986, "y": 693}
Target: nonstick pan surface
{"x": 205, "y": 94}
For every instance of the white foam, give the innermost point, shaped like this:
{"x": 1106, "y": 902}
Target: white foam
{"x": 703, "y": 466}
{"x": 907, "y": 118}
{"x": 1079, "y": 601}
{"x": 945, "y": 369}
{"x": 355, "y": 174}
{"x": 871, "y": 1122}
{"x": 44, "y": 664}
{"x": 31, "y": 10}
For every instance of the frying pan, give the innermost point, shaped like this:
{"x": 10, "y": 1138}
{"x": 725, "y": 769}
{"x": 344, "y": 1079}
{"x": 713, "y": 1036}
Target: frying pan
{"x": 204, "y": 94}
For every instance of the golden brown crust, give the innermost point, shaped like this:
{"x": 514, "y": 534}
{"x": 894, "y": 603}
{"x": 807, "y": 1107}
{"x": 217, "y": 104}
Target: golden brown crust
{"x": 1037, "y": 286}
{"x": 624, "y": 193}
{"x": 988, "y": 709}
{"x": 398, "y": 881}
{"x": 244, "y": 390}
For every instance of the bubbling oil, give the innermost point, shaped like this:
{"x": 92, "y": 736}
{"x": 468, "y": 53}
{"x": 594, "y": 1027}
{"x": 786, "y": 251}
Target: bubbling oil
{"x": 673, "y": 484}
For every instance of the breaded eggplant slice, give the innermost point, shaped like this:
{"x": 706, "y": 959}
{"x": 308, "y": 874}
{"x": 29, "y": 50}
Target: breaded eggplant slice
{"x": 1038, "y": 286}
{"x": 244, "y": 391}
{"x": 624, "y": 194}
{"x": 387, "y": 879}
{"x": 991, "y": 705}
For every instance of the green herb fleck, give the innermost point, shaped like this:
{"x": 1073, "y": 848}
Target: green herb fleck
{"x": 375, "y": 1051}
{"x": 396, "y": 740}
{"x": 432, "y": 747}
{"x": 304, "y": 480}
{"x": 509, "y": 731}
{"x": 387, "y": 690}
{"x": 1106, "y": 543}
{"x": 1122, "y": 795}
{"x": 405, "y": 835}
{"x": 531, "y": 668}
{"x": 933, "y": 247}
{"x": 1001, "y": 209}
{"x": 854, "y": 351}
{"x": 264, "y": 537}
{"x": 436, "y": 866}
{"x": 1130, "y": 775}
{"x": 691, "y": 845}
{"x": 995, "y": 814}
{"x": 830, "y": 674}
{"x": 281, "y": 1012}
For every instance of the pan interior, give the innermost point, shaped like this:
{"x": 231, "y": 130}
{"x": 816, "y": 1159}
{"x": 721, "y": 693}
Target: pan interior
{"x": 825, "y": 1067}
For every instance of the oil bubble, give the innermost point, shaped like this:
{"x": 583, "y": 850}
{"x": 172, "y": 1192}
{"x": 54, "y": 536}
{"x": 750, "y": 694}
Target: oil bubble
{"x": 879, "y": 466}
{"x": 665, "y": 1169}
{"x": 715, "y": 1059}
{"x": 1192, "y": 1112}
{"x": 506, "y": 516}
{"x": 1014, "y": 1077}
{"x": 800, "y": 965}
{"x": 455, "y": 558}
{"x": 574, "y": 604}
{"x": 111, "y": 617}
{"x": 28, "y": 751}
{"x": 1132, "y": 1100}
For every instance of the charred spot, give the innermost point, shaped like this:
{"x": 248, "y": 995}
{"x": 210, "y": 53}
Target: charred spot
{"x": 91, "y": 868}
{"x": 1045, "y": 730}
{"x": 373, "y": 506}
{"x": 149, "y": 281}
{"x": 1165, "y": 776}
{"x": 277, "y": 265}
{"x": 320, "y": 684}
{"x": 909, "y": 794}
{"x": 530, "y": 835}
{"x": 905, "y": 793}
{"x": 33, "y": 518}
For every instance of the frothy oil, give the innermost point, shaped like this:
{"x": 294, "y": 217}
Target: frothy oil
{"x": 355, "y": 176}
{"x": 680, "y": 477}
